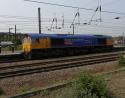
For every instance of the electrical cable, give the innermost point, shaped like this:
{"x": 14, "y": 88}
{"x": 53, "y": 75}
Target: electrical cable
{"x": 69, "y": 6}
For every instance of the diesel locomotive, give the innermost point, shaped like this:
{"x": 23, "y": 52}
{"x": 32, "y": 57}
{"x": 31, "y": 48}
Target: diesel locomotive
{"x": 64, "y": 44}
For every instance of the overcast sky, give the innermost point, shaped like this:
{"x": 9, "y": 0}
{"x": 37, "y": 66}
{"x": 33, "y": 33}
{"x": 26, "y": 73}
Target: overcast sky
{"x": 24, "y": 14}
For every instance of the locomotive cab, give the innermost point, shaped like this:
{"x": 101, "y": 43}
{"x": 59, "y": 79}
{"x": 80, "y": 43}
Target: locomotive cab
{"x": 27, "y": 46}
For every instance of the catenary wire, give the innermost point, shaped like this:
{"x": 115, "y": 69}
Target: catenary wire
{"x": 69, "y": 6}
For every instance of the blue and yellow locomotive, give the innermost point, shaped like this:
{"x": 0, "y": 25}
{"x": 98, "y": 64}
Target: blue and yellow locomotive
{"x": 64, "y": 44}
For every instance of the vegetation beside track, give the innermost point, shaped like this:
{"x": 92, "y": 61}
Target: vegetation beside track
{"x": 87, "y": 85}
{"x": 1, "y": 92}
{"x": 115, "y": 85}
{"x": 121, "y": 60}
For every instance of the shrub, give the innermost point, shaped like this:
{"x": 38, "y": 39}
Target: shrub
{"x": 1, "y": 92}
{"x": 88, "y": 86}
{"x": 24, "y": 88}
{"x": 121, "y": 60}
{"x": 17, "y": 42}
{"x": 45, "y": 92}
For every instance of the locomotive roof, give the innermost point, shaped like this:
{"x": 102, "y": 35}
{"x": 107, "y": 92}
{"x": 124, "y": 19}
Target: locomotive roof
{"x": 35, "y": 36}
{"x": 103, "y": 36}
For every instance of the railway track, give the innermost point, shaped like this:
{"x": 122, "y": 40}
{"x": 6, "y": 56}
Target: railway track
{"x": 56, "y": 64}
{"x": 19, "y": 57}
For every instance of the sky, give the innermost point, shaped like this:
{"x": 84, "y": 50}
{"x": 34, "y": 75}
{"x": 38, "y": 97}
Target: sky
{"x": 24, "y": 15}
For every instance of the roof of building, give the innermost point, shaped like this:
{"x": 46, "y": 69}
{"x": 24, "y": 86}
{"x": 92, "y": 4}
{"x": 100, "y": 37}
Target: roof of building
{"x": 6, "y": 43}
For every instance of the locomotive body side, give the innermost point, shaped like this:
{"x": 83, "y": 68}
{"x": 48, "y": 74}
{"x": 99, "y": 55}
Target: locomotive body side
{"x": 73, "y": 41}
{"x": 40, "y": 43}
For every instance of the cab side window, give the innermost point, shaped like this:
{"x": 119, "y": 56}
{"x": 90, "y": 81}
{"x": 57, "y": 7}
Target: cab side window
{"x": 37, "y": 40}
